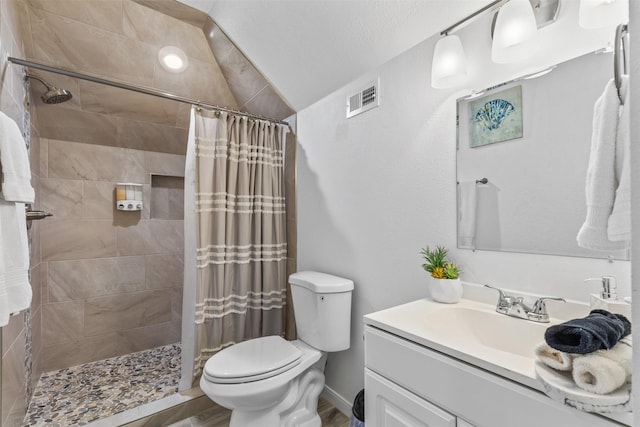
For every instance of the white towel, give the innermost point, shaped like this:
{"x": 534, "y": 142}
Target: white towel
{"x": 16, "y": 172}
{"x": 468, "y": 215}
{"x": 619, "y": 226}
{"x": 604, "y": 371}
{"x": 15, "y": 289}
{"x": 553, "y": 358}
{"x": 601, "y": 181}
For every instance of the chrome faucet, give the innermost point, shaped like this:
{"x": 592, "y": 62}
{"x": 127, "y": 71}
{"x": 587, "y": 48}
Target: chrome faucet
{"x": 515, "y": 307}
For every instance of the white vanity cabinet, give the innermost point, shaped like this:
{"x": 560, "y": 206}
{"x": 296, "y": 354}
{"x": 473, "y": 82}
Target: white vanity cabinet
{"x": 395, "y": 406}
{"x": 410, "y": 385}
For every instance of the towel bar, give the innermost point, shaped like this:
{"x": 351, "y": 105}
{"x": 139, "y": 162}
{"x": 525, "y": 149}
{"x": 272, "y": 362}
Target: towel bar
{"x": 620, "y": 63}
{"x": 31, "y": 215}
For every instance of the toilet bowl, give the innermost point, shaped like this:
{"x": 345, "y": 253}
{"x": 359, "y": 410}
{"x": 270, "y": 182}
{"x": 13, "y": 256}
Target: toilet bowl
{"x": 271, "y": 382}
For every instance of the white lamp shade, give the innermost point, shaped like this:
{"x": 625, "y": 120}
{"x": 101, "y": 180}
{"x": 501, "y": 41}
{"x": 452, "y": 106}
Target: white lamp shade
{"x": 515, "y": 32}
{"x": 449, "y": 67}
{"x": 603, "y": 13}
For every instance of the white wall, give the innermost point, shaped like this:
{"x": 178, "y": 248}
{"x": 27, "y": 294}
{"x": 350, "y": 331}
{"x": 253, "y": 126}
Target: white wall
{"x": 634, "y": 26}
{"x": 376, "y": 188}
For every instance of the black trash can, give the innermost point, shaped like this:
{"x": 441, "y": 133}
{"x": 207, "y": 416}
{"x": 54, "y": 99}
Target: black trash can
{"x": 357, "y": 412}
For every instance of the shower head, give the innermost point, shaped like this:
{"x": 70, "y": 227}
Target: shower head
{"x": 53, "y": 95}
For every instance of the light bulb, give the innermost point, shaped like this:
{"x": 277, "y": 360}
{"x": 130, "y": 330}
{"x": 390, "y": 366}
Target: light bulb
{"x": 515, "y": 33}
{"x": 173, "y": 59}
{"x": 449, "y": 66}
{"x": 603, "y": 13}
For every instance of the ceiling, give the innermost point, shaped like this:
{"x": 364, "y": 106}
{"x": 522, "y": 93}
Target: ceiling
{"x": 267, "y": 57}
{"x": 309, "y": 48}
{"x": 119, "y": 40}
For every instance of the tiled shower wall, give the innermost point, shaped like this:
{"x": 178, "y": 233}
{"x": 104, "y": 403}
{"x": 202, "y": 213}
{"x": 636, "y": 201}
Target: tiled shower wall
{"x": 21, "y": 343}
{"x": 113, "y": 279}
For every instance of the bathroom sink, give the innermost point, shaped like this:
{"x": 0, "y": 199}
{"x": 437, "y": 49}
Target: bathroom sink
{"x": 484, "y": 327}
{"x": 470, "y": 331}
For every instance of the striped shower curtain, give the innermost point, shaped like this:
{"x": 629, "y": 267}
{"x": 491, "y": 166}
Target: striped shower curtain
{"x": 241, "y": 240}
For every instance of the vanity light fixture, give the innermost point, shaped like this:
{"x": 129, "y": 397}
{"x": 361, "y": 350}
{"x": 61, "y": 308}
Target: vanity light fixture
{"x": 173, "y": 59}
{"x": 449, "y": 66}
{"x": 515, "y": 32}
{"x": 603, "y": 13}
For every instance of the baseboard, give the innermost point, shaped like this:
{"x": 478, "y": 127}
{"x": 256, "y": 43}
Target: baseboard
{"x": 341, "y": 404}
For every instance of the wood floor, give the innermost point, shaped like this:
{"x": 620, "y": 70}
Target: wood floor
{"x": 219, "y": 417}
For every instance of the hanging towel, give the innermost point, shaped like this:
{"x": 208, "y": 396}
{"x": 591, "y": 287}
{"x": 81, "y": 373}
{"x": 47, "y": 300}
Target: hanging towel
{"x": 553, "y": 358}
{"x": 16, "y": 172}
{"x": 468, "y": 215}
{"x": 601, "y": 181}
{"x": 619, "y": 226}
{"x": 599, "y": 330}
{"x": 604, "y": 371}
{"x": 15, "y": 289}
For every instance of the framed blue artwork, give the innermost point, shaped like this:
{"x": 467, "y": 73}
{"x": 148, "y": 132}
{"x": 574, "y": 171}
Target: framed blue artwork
{"x": 496, "y": 117}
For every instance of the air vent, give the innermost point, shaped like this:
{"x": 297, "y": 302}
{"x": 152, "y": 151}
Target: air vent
{"x": 364, "y": 100}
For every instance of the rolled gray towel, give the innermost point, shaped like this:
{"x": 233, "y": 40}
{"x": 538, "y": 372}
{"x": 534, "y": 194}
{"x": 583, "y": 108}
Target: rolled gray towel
{"x": 600, "y": 330}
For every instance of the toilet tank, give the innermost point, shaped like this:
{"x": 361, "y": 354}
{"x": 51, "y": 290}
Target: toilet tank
{"x": 322, "y": 306}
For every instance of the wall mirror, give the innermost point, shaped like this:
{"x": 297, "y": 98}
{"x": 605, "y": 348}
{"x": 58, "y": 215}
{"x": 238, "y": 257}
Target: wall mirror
{"x": 534, "y": 198}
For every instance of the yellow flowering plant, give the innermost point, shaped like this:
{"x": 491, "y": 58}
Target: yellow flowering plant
{"x": 438, "y": 265}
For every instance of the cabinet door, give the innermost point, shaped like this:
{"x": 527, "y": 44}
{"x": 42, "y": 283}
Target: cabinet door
{"x": 388, "y": 405}
{"x": 463, "y": 423}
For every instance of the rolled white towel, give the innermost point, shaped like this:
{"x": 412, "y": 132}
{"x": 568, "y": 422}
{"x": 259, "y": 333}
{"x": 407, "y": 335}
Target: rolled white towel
{"x": 553, "y": 358}
{"x": 604, "y": 371}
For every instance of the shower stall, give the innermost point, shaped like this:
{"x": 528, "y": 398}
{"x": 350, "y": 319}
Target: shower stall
{"x": 126, "y": 311}
{"x": 109, "y": 284}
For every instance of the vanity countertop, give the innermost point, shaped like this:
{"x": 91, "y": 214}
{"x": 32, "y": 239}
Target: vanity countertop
{"x": 472, "y": 331}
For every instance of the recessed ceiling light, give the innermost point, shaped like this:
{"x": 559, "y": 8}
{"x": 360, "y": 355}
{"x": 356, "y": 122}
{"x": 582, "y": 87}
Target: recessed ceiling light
{"x": 173, "y": 59}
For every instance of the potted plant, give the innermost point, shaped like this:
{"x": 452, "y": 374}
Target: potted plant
{"x": 444, "y": 275}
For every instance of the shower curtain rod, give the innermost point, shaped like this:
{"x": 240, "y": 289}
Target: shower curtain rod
{"x": 140, "y": 89}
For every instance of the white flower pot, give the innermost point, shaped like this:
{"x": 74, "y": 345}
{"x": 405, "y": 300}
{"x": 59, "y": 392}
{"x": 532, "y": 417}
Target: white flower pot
{"x": 448, "y": 291}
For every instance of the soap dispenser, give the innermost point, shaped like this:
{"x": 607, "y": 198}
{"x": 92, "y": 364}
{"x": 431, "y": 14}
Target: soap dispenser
{"x": 607, "y": 299}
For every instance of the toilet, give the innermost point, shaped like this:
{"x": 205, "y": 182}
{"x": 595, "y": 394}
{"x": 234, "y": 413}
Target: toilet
{"x": 271, "y": 382}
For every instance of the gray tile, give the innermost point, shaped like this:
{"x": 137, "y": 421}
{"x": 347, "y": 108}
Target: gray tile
{"x": 178, "y": 10}
{"x": 87, "y": 48}
{"x": 103, "y": 14}
{"x": 68, "y": 239}
{"x": 159, "y": 29}
{"x": 11, "y": 331}
{"x": 62, "y": 322}
{"x": 61, "y": 197}
{"x": 151, "y": 136}
{"x": 201, "y": 80}
{"x": 167, "y": 197}
{"x": 150, "y": 237}
{"x": 95, "y": 163}
{"x": 145, "y": 337}
{"x": 79, "y": 351}
{"x": 164, "y": 164}
{"x": 126, "y": 311}
{"x": 13, "y": 374}
{"x": 99, "y": 200}
{"x": 164, "y": 271}
{"x": 118, "y": 102}
{"x": 88, "y": 278}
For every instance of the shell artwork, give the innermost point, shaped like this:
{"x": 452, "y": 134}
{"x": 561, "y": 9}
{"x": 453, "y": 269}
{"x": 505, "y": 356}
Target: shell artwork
{"x": 491, "y": 115}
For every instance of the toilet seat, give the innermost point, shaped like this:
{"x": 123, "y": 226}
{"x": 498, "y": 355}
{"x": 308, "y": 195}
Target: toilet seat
{"x": 252, "y": 360}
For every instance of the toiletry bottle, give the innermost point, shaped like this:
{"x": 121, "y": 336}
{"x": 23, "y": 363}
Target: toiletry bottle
{"x": 607, "y": 299}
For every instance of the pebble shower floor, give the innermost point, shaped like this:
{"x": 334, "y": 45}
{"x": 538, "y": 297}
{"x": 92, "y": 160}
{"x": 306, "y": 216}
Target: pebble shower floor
{"x": 92, "y": 391}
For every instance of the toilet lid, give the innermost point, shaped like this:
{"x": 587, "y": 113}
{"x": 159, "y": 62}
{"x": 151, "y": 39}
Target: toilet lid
{"x": 252, "y": 360}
